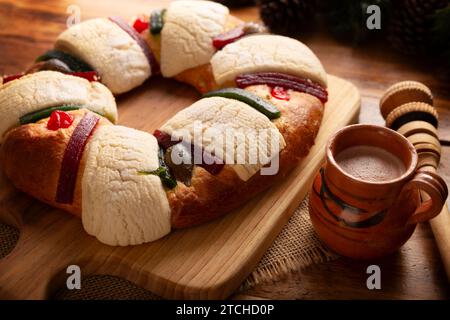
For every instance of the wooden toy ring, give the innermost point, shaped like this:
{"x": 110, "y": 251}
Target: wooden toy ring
{"x": 404, "y": 92}
{"x": 414, "y": 127}
{"x": 428, "y": 147}
{"x": 428, "y": 159}
{"x": 409, "y": 112}
{"x": 419, "y": 138}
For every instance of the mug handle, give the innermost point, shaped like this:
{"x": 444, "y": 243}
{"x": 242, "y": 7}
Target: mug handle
{"x": 436, "y": 189}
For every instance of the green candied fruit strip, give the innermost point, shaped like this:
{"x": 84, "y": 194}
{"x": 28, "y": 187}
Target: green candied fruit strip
{"x": 75, "y": 64}
{"x": 166, "y": 178}
{"x": 157, "y": 21}
{"x": 163, "y": 172}
{"x": 263, "y": 106}
{"x": 35, "y": 116}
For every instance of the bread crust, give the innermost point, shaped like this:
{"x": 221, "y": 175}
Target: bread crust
{"x": 31, "y": 158}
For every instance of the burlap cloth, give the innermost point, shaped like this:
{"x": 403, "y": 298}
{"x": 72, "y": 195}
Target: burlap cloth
{"x": 295, "y": 247}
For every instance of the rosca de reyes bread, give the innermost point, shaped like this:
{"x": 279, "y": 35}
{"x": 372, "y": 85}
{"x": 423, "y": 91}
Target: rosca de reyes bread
{"x": 178, "y": 41}
{"x": 261, "y": 111}
{"x": 124, "y": 194}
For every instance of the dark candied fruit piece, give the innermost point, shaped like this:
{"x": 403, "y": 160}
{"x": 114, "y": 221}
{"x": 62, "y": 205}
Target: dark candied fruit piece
{"x": 50, "y": 65}
{"x": 210, "y": 163}
{"x": 75, "y": 64}
{"x": 157, "y": 21}
{"x": 183, "y": 167}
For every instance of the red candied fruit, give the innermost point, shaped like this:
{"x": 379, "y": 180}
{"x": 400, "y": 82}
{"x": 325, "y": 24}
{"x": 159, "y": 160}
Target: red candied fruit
{"x": 280, "y": 93}
{"x": 164, "y": 139}
{"x": 59, "y": 120}
{"x": 11, "y": 77}
{"x": 140, "y": 24}
{"x": 231, "y": 36}
{"x": 88, "y": 75}
{"x": 275, "y": 79}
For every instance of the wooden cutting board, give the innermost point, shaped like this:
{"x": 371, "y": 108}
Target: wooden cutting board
{"x": 205, "y": 262}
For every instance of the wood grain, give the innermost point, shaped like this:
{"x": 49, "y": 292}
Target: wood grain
{"x": 206, "y": 262}
{"x": 415, "y": 272}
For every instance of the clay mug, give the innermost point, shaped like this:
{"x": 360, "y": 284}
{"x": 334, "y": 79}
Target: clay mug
{"x": 365, "y": 215}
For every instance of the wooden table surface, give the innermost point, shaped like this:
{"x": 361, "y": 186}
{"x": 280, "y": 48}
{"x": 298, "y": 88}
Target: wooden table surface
{"x": 28, "y": 28}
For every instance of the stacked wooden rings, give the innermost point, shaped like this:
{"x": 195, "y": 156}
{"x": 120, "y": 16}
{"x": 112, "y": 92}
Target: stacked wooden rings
{"x": 408, "y": 108}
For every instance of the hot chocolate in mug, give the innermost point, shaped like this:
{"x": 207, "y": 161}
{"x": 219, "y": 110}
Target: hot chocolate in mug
{"x": 368, "y": 197}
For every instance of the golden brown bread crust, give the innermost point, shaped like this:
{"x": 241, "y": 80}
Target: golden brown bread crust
{"x": 201, "y": 78}
{"x": 210, "y": 197}
{"x": 31, "y": 158}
